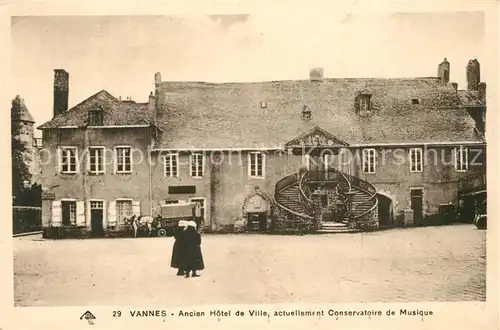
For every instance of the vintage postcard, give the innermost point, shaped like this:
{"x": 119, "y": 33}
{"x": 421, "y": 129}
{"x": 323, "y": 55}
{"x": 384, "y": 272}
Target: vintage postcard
{"x": 276, "y": 165}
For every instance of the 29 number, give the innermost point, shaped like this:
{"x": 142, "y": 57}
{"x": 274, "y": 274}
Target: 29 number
{"x": 117, "y": 313}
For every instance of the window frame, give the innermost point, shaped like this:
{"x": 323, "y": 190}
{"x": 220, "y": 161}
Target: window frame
{"x": 89, "y": 154}
{"x": 201, "y": 169}
{"x": 72, "y": 202}
{"x": 171, "y": 167}
{"x": 419, "y": 167}
{"x": 62, "y": 163}
{"x": 464, "y": 163}
{"x": 117, "y": 170}
{"x": 263, "y": 165}
{"x": 369, "y": 160}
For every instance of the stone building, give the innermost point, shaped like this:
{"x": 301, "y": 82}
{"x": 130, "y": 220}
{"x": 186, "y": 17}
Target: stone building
{"x": 314, "y": 154}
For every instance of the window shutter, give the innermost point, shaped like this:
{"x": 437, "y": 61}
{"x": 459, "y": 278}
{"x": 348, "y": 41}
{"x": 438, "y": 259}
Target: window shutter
{"x": 136, "y": 207}
{"x": 59, "y": 160}
{"x": 80, "y": 214}
{"x": 56, "y": 214}
{"x": 77, "y": 159}
{"x": 115, "y": 161}
{"x": 112, "y": 219}
{"x": 104, "y": 215}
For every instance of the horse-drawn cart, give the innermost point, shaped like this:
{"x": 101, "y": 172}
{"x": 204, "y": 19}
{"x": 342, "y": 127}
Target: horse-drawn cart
{"x": 170, "y": 215}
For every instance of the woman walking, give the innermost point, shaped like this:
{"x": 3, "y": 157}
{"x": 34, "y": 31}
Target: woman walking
{"x": 177, "y": 250}
{"x": 192, "y": 258}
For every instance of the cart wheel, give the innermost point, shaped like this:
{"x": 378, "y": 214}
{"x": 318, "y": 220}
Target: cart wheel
{"x": 162, "y": 232}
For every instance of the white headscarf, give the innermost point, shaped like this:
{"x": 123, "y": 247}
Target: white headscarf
{"x": 192, "y": 224}
{"x": 183, "y": 223}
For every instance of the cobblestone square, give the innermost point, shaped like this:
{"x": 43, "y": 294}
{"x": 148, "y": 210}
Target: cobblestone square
{"x": 399, "y": 265}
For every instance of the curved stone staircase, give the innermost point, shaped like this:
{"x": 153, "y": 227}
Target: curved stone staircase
{"x": 296, "y": 207}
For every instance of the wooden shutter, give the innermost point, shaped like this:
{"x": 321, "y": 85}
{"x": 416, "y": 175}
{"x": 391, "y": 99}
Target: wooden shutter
{"x": 104, "y": 215}
{"x": 59, "y": 160}
{"x": 56, "y": 214}
{"x": 80, "y": 214}
{"x": 112, "y": 217}
{"x": 136, "y": 207}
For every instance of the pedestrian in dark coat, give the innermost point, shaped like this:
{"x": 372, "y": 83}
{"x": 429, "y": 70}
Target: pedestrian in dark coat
{"x": 177, "y": 250}
{"x": 192, "y": 258}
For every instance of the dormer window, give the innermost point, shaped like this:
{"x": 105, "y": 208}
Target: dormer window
{"x": 263, "y": 104}
{"x": 306, "y": 113}
{"x": 363, "y": 102}
{"x": 95, "y": 118}
{"x": 415, "y": 101}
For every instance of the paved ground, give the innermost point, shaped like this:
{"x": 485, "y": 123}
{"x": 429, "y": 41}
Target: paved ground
{"x": 412, "y": 265}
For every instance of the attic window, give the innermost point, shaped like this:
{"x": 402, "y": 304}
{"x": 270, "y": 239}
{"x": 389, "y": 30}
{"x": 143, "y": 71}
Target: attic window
{"x": 95, "y": 118}
{"x": 306, "y": 113}
{"x": 415, "y": 101}
{"x": 263, "y": 104}
{"x": 365, "y": 102}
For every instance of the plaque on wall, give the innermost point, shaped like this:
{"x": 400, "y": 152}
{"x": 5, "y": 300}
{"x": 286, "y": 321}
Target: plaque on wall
{"x": 182, "y": 189}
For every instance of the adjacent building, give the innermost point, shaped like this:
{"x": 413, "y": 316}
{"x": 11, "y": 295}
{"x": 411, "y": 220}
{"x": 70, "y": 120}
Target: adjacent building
{"x": 313, "y": 154}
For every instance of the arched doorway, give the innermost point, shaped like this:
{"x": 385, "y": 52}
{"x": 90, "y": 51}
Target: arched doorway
{"x": 257, "y": 208}
{"x": 385, "y": 212}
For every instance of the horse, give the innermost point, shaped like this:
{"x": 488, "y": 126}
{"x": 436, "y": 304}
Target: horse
{"x": 137, "y": 221}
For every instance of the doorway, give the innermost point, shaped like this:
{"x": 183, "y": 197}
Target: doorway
{"x": 199, "y": 210}
{"x": 385, "y": 215}
{"x": 96, "y": 218}
{"x": 417, "y": 195}
{"x": 257, "y": 221}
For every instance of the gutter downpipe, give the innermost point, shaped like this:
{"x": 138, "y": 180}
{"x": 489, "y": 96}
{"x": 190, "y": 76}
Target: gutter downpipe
{"x": 150, "y": 147}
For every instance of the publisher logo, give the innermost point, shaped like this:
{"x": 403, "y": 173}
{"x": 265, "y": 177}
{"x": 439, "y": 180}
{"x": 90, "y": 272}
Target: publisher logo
{"x": 88, "y": 316}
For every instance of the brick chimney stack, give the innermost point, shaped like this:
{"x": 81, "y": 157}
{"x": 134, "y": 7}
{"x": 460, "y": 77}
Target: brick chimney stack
{"x": 61, "y": 91}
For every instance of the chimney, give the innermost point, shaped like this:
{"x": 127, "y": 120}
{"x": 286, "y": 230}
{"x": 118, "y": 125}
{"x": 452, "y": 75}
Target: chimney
{"x": 444, "y": 71}
{"x": 157, "y": 78}
{"x": 316, "y": 74}
{"x": 473, "y": 75}
{"x": 455, "y": 86}
{"x": 61, "y": 91}
{"x": 152, "y": 107}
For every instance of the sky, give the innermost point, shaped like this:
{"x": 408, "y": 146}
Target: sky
{"x": 121, "y": 54}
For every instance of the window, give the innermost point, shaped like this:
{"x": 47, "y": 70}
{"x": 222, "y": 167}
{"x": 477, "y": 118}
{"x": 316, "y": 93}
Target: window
{"x": 256, "y": 164}
{"x": 123, "y": 159}
{"x": 196, "y": 165}
{"x": 68, "y": 160}
{"x": 95, "y": 118}
{"x": 96, "y": 160}
{"x": 68, "y": 213}
{"x": 306, "y": 113}
{"x": 172, "y": 165}
{"x": 461, "y": 159}
{"x": 123, "y": 209}
{"x": 369, "y": 158}
{"x": 96, "y": 205}
{"x": 416, "y": 160}
{"x": 415, "y": 101}
{"x": 364, "y": 103}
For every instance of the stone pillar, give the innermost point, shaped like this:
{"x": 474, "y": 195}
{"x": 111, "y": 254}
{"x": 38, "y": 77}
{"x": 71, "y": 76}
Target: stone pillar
{"x": 318, "y": 207}
{"x": 350, "y": 211}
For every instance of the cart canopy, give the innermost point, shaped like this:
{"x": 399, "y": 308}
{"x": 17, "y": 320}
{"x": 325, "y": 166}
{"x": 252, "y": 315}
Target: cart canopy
{"x": 177, "y": 211}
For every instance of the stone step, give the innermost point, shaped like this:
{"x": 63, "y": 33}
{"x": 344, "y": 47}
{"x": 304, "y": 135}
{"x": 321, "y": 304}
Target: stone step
{"x": 337, "y": 231}
{"x": 333, "y": 225}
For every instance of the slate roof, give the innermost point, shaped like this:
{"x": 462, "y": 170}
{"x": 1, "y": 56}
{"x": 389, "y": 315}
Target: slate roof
{"x": 469, "y": 98}
{"x": 24, "y": 114}
{"x": 229, "y": 115}
{"x": 116, "y": 112}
